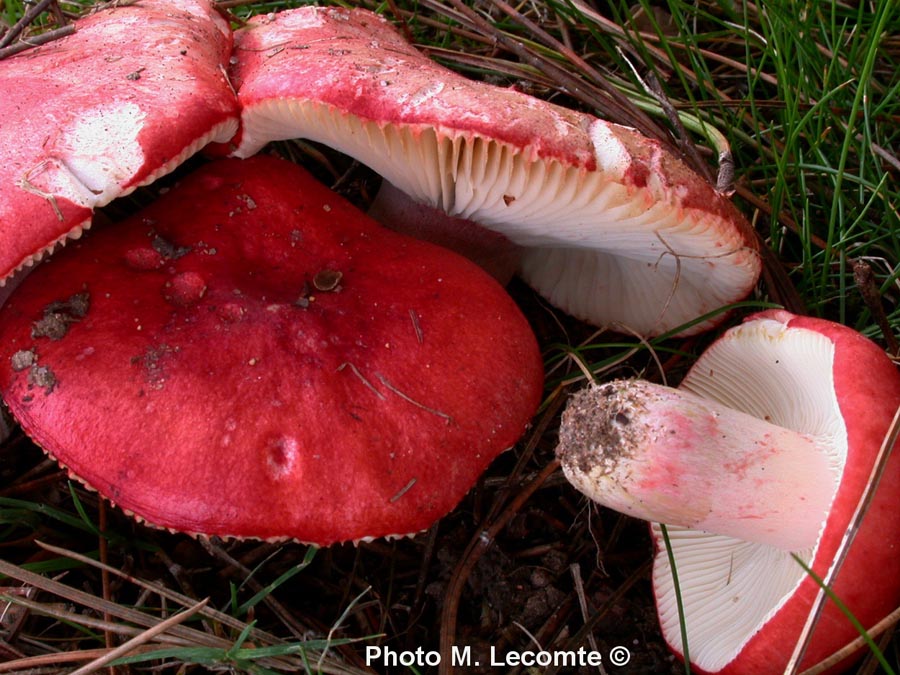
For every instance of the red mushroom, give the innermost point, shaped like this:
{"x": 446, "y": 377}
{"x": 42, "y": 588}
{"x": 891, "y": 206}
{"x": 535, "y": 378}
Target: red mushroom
{"x": 251, "y": 356}
{"x": 131, "y": 94}
{"x": 763, "y": 453}
{"x": 612, "y": 228}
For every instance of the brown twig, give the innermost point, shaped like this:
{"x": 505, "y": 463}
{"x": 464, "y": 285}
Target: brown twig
{"x": 120, "y": 612}
{"x": 37, "y": 40}
{"x": 598, "y": 95}
{"x": 725, "y": 181}
{"x": 104, "y": 573}
{"x": 33, "y": 663}
{"x": 871, "y": 295}
{"x": 206, "y": 639}
{"x": 401, "y": 20}
{"x": 885, "y": 624}
{"x": 141, "y": 639}
{"x": 30, "y": 15}
{"x": 412, "y": 401}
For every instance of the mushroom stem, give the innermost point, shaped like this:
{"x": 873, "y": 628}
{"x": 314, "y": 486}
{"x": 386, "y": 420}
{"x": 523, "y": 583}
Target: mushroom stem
{"x": 491, "y": 251}
{"x": 669, "y": 456}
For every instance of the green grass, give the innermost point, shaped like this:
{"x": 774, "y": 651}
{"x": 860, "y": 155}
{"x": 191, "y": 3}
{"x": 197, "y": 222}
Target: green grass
{"x": 805, "y": 96}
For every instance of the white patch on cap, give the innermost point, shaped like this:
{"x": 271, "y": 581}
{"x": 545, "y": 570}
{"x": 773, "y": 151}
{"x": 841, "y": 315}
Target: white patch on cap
{"x": 289, "y": 22}
{"x": 92, "y": 158}
{"x": 612, "y": 156}
{"x": 423, "y": 95}
{"x": 102, "y": 149}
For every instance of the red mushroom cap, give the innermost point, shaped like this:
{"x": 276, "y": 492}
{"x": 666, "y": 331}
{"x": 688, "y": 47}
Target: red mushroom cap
{"x": 867, "y": 392}
{"x": 251, "y": 356}
{"x": 610, "y": 226}
{"x": 763, "y": 453}
{"x": 130, "y": 95}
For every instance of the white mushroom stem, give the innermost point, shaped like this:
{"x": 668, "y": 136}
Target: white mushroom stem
{"x": 669, "y": 456}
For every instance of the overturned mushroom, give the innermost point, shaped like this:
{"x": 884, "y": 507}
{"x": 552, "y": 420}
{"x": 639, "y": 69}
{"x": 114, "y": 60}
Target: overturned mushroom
{"x": 611, "y": 227}
{"x": 762, "y": 453}
{"x": 131, "y": 94}
{"x": 251, "y": 356}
